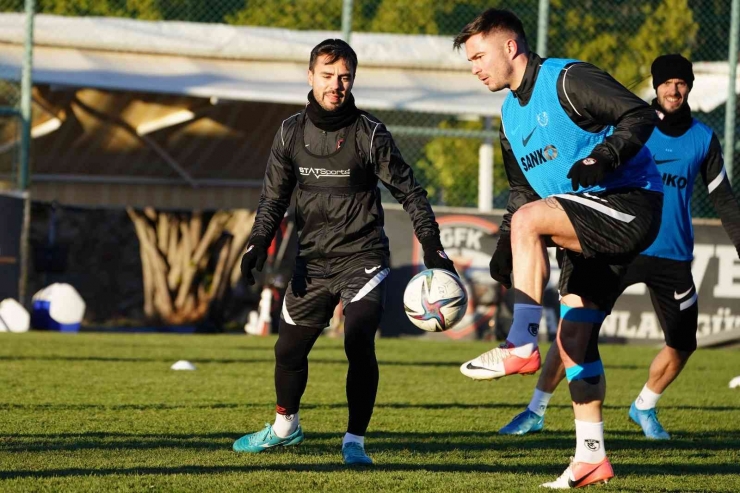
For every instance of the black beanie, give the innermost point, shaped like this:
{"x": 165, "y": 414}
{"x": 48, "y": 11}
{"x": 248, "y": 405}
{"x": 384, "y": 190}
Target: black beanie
{"x": 674, "y": 66}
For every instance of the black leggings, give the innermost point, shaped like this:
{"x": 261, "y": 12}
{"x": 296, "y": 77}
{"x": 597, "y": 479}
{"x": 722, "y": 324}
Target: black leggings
{"x": 291, "y": 363}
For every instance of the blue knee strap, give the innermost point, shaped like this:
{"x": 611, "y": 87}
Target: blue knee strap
{"x": 582, "y": 314}
{"x": 586, "y": 370}
{"x": 588, "y": 315}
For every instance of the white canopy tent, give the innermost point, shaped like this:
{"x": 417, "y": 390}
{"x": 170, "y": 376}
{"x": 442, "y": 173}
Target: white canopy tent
{"x": 216, "y": 61}
{"x": 396, "y": 72}
{"x": 415, "y": 73}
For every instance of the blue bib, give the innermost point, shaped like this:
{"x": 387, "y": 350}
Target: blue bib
{"x": 679, "y": 160}
{"x": 546, "y": 142}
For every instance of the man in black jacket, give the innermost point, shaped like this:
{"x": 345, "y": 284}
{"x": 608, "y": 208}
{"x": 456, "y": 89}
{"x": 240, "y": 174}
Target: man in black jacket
{"x": 336, "y": 154}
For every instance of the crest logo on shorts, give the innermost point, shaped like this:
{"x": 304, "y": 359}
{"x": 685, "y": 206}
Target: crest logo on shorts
{"x": 533, "y": 329}
{"x": 592, "y": 445}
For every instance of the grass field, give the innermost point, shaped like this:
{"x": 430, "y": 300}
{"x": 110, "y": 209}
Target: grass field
{"x": 103, "y": 412}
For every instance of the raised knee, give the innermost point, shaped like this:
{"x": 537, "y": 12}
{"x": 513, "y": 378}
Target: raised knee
{"x": 523, "y": 219}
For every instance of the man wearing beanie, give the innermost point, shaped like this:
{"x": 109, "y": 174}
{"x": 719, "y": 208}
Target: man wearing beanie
{"x": 682, "y": 148}
{"x": 336, "y": 155}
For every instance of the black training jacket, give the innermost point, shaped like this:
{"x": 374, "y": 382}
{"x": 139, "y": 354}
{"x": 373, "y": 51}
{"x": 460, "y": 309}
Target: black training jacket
{"x": 338, "y": 210}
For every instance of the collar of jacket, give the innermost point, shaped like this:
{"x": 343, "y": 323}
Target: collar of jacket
{"x": 524, "y": 92}
{"x": 331, "y": 121}
{"x": 673, "y": 124}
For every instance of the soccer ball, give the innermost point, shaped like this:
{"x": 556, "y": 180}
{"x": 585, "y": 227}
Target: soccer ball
{"x": 435, "y": 300}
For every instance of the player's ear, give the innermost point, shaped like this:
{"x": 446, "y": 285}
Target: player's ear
{"x": 310, "y": 77}
{"x": 511, "y": 48}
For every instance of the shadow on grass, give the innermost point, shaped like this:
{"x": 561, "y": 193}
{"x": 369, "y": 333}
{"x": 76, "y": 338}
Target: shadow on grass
{"x": 331, "y": 405}
{"x": 553, "y": 468}
{"x": 294, "y": 467}
{"x": 137, "y": 359}
{"x": 340, "y": 360}
{"x": 381, "y": 441}
{"x": 267, "y": 359}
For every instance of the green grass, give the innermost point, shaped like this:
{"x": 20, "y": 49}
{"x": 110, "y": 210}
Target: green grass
{"x": 103, "y": 412}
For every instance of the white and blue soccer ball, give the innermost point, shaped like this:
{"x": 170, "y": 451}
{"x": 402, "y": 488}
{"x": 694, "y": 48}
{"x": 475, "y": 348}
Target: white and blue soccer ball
{"x": 435, "y": 300}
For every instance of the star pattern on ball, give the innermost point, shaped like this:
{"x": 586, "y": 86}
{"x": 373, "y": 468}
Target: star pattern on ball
{"x": 432, "y": 311}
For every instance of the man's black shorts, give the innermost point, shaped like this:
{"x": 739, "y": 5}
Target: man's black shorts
{"x": 318, "y": 285}
{"x": 673, "y": 294}
{"x": 613, "y": 227}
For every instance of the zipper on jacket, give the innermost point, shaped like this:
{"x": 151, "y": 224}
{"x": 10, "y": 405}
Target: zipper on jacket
{"x": 324, "y": 203}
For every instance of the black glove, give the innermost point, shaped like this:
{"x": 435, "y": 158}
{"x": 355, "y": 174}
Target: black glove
{"x": 502, "y": 262}
{"x": 435, "y": 256}
{"x": 254, "y": 258}
{"x": 589, "y": 171}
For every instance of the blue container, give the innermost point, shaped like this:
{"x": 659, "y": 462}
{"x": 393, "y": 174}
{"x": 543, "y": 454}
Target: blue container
{"x": 41, "y": 319}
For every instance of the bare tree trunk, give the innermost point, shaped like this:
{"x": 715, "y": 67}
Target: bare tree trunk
{"x": 175, "y": 259}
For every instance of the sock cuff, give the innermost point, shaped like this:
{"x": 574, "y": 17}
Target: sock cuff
{"x": 542, "y": 393}
{"x": 647, "y": 399}
{"x": 349, "y": 437}
{"x": 589, "y": 423}
{"x": 526, "y": 306}
{"x": 538, "y": 404}
{"x": 647, "y": 391}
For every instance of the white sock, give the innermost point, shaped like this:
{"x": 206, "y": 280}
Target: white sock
{"x": 285, "y": 425}
{"x": 349, "y": 437}
{"x": 525, "y": 326}
{"x": 589, "y": 442}
{"x": 538, "y": 404}
{"x": 647, "y": 399}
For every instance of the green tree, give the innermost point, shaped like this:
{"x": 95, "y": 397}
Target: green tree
{"x": 449, "y": 168}
{"x": 306, "y": 14}
{"x": 670, "y": 28}
{"x": 135, "y": 9}
{"x": 624, "y": 38}
{"x": 406, "y": 17}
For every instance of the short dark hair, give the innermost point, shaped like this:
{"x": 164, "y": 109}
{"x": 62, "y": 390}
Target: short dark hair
{"x": 335, "y": 49}
{"x": 490, "y": 21}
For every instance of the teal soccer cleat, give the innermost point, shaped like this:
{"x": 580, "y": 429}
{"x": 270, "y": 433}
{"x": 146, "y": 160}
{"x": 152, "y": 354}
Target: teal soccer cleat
{"x": 354, "y": 454}
{"x": 523, "y": 423}
{"x": 648, "y": 421}
{"x": 260, "y": 441}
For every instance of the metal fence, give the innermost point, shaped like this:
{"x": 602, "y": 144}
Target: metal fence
{"x": 10, "y": 113}
{"x": 620, "y": 36}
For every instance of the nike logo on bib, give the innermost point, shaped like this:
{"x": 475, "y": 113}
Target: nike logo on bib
{"x": 679, "y": 296}
{"x": 664, "y": 161}
{"x": 370, "y": 271}
{"x": 525, "y": 140}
